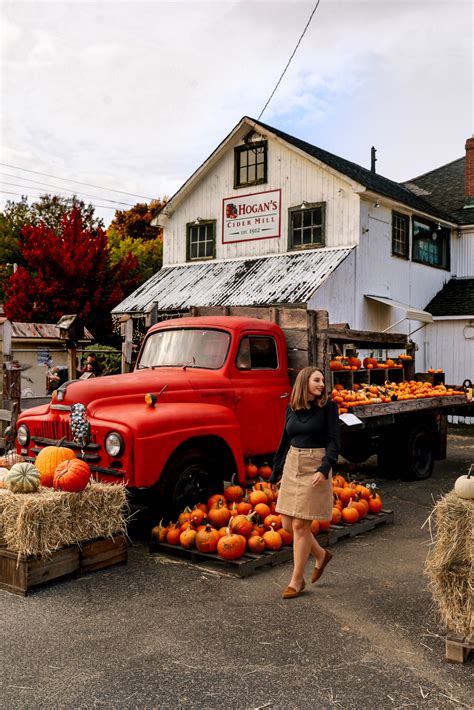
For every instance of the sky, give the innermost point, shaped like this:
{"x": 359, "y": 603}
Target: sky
{"x": 134, "y": 96}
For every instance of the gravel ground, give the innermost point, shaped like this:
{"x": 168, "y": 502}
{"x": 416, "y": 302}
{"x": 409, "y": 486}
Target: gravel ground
{"x": 163, "y": 633}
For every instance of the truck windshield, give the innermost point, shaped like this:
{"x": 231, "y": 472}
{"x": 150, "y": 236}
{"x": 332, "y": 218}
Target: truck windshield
{"x": 189, "y": 347}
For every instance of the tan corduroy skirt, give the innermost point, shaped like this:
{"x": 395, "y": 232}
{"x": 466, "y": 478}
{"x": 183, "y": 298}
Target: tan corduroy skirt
{"x": 298, "y": 497}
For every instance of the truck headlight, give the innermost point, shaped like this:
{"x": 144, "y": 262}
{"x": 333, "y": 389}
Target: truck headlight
{"x": 114, "y": 444}
{"x": 23, "y": 435}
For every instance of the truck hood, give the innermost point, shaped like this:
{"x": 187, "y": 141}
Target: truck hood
{"x": 132, "y": 384}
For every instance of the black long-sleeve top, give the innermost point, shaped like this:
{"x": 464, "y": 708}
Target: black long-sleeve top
{"x": 313, "y": 428}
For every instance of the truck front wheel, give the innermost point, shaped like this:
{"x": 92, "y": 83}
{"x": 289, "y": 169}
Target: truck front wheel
{"x": 190, "y": 478}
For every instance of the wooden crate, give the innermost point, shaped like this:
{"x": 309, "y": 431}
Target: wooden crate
{"x": 98, "y": 554}
{"x": 19, "y": 574}
{"x": 458, "y": 647}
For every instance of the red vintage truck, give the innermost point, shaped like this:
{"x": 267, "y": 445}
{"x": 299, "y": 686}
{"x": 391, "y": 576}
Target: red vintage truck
{"x": 208, "y": 393}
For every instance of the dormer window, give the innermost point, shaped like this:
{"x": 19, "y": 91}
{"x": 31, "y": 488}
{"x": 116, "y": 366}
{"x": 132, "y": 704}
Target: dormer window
{"x": 250, "y": 164}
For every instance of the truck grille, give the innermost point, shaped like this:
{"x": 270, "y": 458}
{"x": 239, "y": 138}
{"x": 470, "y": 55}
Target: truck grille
{"x": 53, "y": 430}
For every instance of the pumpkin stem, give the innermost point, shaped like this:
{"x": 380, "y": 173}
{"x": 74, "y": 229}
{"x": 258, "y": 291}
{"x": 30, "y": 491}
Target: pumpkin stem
{"x": 470, "y": 470}
{"x": 61, "y": 441}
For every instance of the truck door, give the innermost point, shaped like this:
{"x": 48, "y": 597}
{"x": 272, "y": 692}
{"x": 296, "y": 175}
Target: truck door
{"x": 260, "y": 378}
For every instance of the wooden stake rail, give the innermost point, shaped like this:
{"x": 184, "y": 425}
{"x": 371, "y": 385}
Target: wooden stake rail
{"x": 19, "y": 574}
{"x": 246, "y": 565}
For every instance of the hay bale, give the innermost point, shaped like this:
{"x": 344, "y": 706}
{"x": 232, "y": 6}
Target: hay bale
{"x": 450, "y": 562}
{"x": 40, "y": 523}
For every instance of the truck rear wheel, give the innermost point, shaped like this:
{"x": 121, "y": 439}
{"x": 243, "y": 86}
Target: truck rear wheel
{"x": 190, "y": 478}
{"x": 408, "y": 453}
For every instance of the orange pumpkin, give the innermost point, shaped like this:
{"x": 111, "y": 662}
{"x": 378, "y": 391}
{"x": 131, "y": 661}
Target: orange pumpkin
{"x": 159, "y": 532}
{"x": 375, "y": 504}
{"x": 233, "y": 493}
{"x": 324, "y": 525}
{"x": 251, "y": 471}
{"x": 231, "y": 546}
{"x": 49, "y": 459}
{"x": 256, "y": 544}
{"x": 213, "y": 500}
{"x": 315, "y": 527}
{"x": 173, "y": 535}
{"x": 350, "y": 514}
{"x": 256, "y": 497}
{"x": 187, "y": 539}
{"x": 72, "y": 475}
{"x": 219, "y": 516}
{"x": 207, "y": 539}
{"x": 286, "y": 537}
{"x": 272, "y": 521}
{"x": 241, "y": 524}
{"x": 336, "y": 516}
{"x": 273, "y": 540}
{"x": 265, "y": 471}
{"x": 262, "y": 510}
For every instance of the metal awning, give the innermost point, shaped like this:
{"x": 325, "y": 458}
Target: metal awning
{"x": 409, "y": 312}
{"x": 252, "y": 281}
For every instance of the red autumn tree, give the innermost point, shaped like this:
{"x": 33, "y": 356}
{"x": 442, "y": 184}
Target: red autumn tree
{"x": 68, "y": 271}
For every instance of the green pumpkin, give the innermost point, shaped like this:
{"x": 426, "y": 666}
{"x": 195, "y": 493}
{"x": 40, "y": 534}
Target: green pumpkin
{"x": 23, "y": 478}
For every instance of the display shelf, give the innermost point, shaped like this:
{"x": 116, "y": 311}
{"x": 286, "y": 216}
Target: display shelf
{"x": 376, "y": 376}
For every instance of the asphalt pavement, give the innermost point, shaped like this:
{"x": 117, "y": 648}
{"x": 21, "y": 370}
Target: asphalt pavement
{"x": 164, "y": 633}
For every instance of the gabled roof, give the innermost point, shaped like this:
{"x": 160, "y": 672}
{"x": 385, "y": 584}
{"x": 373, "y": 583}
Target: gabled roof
{"x": 46, "y": 331}
{"x": 456, "y": 298}
{"x": 444, "y": 188}
{"x": 370, "y": 180}
{"x": 281, "y": 278}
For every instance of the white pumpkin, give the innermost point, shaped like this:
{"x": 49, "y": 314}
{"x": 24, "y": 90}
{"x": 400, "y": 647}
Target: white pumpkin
{"x": 3, "y": 476}
{"x": 10, "y": 458}
{"x": 464, "y": 486}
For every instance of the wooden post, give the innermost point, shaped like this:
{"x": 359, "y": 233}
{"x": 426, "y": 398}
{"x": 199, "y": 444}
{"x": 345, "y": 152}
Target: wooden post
{"x": 127, "y": 334}
{"x": 71, "y": 359}
{"x": 275, "y": 314}
{"x": 323, "y": 353}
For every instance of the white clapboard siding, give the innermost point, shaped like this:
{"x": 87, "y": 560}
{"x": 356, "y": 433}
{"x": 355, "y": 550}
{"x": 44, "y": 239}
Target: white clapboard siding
{"x": 462, "y": 254}
{"x": 299, "y": 178}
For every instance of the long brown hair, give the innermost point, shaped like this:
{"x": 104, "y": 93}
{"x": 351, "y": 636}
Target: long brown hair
{"x": 299, "y": 394}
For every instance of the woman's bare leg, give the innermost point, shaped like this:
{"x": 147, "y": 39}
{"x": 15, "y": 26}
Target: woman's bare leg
{"x": 287, "y": 523}
{"x": 317, "y": 551}
{"x": 301, "y": 548}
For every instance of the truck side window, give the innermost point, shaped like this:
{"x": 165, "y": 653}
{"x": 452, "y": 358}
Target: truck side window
{"x": 257, "y": 353}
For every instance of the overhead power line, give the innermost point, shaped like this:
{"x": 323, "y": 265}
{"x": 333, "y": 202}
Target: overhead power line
{"x": 58, "y": 187}
{"x": 22, "y": 194}
{"x": 289, "y": 60}
{"x": 78, "y": 182}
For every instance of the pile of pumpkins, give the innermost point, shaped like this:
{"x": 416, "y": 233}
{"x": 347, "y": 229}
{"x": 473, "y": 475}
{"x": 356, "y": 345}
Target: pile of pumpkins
{"x": 240, "y": 521}
{"x": 55, "y": 467}
{"x": 365, "y": 394}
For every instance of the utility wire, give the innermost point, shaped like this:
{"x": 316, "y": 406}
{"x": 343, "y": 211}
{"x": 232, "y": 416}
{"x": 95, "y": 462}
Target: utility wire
{"x": 22, "y": 194}
{"x": 289, "y": 60}
{"x": 58, "y": 187}
{"x": 78, "y": 182}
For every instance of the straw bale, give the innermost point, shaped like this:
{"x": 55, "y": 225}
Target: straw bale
{"x": 450, "y": 562}
{"x": 40, "y": 523}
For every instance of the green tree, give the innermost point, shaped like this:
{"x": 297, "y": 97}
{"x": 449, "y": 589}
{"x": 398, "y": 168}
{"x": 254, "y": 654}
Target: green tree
{"x": 131, "y": 232}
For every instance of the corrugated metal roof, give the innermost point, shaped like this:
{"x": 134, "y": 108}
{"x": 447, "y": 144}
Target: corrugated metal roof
{"x": 281, "y": 278}
{"x": 40, "y": 330}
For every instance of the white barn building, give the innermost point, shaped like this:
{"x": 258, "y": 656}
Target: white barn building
{"x": 268, "y": 218}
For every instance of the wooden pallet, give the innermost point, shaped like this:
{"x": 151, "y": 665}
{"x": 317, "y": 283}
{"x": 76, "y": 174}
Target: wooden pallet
{"x": 369, "y": 522}
{"x": 243, "y": 567}
{"x": 458, "y": 647}
{"x": 20, "y": 573}
{"x": 246, "y": 565}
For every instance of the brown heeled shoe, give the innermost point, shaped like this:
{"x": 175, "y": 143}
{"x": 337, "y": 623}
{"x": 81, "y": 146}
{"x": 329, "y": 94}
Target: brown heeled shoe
{"x": 291, "y": 593}
{"x": 317, "y": 571}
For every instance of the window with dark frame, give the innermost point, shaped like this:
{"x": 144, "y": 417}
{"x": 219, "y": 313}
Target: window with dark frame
{"x": 306, "y": 226}
{"x": 250, "y": 164}
{"x": 430, "y": 243}
{"x": 257, "y": 353}
{"x": 201, "y": 240}
{"x": 400, "y": 234}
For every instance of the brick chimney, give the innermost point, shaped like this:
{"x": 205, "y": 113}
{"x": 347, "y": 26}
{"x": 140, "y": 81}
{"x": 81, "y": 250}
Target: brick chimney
{"x": 469, "y": 174}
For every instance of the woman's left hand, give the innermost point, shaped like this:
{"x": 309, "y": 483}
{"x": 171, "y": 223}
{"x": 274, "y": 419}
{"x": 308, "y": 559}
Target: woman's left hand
{"x": 318, "y": 478}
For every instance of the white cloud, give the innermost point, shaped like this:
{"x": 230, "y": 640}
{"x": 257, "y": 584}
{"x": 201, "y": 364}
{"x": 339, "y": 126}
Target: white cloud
{"x": 136, "y": 95}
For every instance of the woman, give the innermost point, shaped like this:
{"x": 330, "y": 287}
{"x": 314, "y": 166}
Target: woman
{"x": 308, "y": 450}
